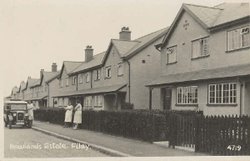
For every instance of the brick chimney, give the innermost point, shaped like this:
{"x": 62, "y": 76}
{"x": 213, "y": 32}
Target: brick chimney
{"x": 89, "y": 53}
{"x": 54, "y": 67}
{"x": 41, "y": 73}
{"x": 125, "y": 34}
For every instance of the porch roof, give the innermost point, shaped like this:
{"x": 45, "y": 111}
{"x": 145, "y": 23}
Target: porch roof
{"x": 204, "y": 74}
{"x": 106, "y": 89}
{"x": 38, "y": 98}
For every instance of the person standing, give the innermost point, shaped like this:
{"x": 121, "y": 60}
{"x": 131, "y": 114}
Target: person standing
{"x": 68, "y": 115}
{"x": 78, "y": 115}
{"x": 30, "y": 108}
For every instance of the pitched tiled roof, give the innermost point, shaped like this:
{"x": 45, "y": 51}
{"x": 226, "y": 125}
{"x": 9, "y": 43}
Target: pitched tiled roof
{"x": 125, "y": 49}
{"x": 31, "y": 82}
{"x": 71, "y": 65}
{"x": 49, "y": 79}
{"x": 205, "y": 74}
{"x": 207, "y": 15}
{"x": 49, "y": 75}
{"x": 97, "y": 60}
{"x": 136, "y": 45}
{"x": 220, "y": 14}
{"x": 22, "y": 85}
{"x": 37, "y": 82}
{"x": 232, "y": 11}
{"x": 123, "y": 46}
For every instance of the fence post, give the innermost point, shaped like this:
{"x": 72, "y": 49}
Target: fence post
{"x": 197, "y": 132}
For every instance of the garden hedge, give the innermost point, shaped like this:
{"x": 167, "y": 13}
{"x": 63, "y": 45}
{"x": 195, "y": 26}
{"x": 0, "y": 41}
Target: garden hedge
{"x": 139, "y": 124}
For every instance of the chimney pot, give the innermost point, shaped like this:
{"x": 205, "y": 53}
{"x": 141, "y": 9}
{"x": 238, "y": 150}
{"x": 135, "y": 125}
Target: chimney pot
{"x": 41, "y": 73}
{"x": 54, "y": 67}
{"x": 89, "y": 53}
{"x": 125, "y": 34}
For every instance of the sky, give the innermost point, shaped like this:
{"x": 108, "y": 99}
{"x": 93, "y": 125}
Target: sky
{"x": 36, "y": 33}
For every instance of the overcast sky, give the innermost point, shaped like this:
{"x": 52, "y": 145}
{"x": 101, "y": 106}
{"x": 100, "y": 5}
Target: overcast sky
{"x": 36, "y": 33}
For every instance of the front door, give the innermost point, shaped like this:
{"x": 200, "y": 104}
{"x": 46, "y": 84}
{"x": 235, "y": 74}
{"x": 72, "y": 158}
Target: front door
{"x": 167, "y": 98}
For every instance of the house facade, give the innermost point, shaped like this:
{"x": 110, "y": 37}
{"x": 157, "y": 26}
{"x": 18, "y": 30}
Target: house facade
{"x": 115, "y": 79}
{"x": 14, "y": 91}
{"x": 40, "y": 90}
{"x": 27, "y": 92}
{"x": 19, "y": 93}
{"x": 205, "y": 60}
{"x": 63, "y": 84}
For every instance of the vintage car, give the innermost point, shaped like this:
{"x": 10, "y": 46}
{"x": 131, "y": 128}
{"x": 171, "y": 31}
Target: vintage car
{"x": 16, "y": 113}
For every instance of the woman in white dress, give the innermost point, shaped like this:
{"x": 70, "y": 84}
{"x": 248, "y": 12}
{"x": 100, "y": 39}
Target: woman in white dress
{"x": 78, "y": 115}
{"x": 68, "y": 115}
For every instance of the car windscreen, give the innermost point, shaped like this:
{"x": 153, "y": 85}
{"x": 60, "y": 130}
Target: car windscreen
{"x": 18, "y": 106}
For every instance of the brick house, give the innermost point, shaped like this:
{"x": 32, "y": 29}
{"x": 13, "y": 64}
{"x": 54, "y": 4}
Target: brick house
{"x": 205, "y": 60}
{"x": 111, "y": 79}
{"x": 39, "y": 89}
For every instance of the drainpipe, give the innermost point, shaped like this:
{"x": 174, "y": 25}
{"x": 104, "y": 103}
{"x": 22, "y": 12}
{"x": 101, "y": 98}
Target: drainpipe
{"x": 129, "y": 78}
{"x": 150, "y": 98}
{"x": 76, "y": 81}
{"x": 241, "y": 87}
{"x": 48, "y": 95}
{"x": 91, "y": 76}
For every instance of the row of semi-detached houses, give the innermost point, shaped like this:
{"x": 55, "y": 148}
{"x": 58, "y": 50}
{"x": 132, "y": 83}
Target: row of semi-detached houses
{"x": 201, "y": 62}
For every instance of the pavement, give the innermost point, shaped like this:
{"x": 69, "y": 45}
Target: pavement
{"x": 109, "y": 144}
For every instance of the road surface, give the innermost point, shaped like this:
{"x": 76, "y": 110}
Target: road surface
{"x": 28, "y": 143}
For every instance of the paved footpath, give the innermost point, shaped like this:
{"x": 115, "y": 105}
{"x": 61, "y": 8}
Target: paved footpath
{"x": 112, "y": 145}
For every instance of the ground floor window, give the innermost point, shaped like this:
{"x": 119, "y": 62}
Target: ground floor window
{"x": 222, "y": 93}
{"x": 187, "y": 95}
{"x": 88, "y": 101}
{"x": 98, "y": 101}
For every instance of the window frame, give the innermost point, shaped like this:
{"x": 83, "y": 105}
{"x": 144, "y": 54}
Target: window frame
{"x": 222, "y": 94}
{"x": 98, "y": 101}
{"x": 87, "y": 76}
{"x": 200, "y": 48}
{"x": 97, "y": 74}
{"x": 80, "y": 78}
{"x": 121, "y": 67}
{"x": 167, "y": 55}
{"x": 241, "y": 46}
{"x": 106, "y": 68}
{"x": 67, "y": 81}
{"x": 74, "y": 80}
{"x": 189, "y": 90}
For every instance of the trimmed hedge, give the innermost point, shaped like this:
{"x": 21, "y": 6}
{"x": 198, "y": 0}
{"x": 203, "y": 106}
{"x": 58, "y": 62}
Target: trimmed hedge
{"x": 139, "y": 124}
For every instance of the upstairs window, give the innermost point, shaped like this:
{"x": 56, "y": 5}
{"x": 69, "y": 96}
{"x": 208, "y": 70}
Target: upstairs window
{"x": 74, "y": 79}
{"x": 97, "y": 74}
{"x": 200, "y": 48}
{"x": 171, "y": 55}
{"x": 87, "y": 77}
{"x": 120, "y": 69}
{"x": 187, "y": 95}
{"x": 67, "y": 81}
{"x": 238, "y": 38}
{"x": 61, "y": 83}
{"x": 108, "y": 72}
{"x": 80, "y": 78}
